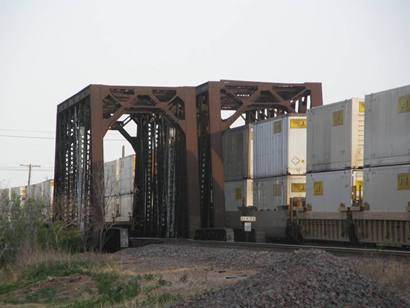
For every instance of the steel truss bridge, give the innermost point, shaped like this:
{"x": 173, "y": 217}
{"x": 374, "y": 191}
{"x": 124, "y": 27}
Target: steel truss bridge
{"x": 179, "y": 179}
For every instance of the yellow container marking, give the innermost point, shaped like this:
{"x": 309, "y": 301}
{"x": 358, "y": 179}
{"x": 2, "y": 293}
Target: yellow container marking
{"x": 238, "y": 193}
{"x": 338, "y": 117}
{"x": 318, "y": 188}
{"x": 298, "y": 123}
{"x": 277, "y": 189}
{"x": 362, "y": 107}
{"x": 404, "y": 104}
{"x": 359, "y": 185}
{"x": 403, "y": 181}
{"x": 298, "y": 187}
{"x": 277, "y": 127}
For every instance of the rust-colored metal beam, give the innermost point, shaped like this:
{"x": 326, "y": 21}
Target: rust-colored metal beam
{"x": 84, "y": 119}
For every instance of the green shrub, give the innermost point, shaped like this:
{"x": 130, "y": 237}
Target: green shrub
{"x": 56, "y": 236}
{"x": 25, "y": 227}
{"x": 18, "y": 226}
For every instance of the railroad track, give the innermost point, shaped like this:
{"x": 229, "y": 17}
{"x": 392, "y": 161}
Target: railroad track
{"x": 337, "y": 250}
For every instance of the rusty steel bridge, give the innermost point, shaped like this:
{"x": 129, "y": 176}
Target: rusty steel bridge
{"x": 179, "y": 179}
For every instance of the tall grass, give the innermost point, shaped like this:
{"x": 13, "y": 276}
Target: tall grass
{"x": 25, "y": 231}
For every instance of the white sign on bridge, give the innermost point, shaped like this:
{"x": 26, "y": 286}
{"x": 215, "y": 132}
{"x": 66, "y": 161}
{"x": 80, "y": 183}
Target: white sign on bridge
{"x": 248, "y": 218}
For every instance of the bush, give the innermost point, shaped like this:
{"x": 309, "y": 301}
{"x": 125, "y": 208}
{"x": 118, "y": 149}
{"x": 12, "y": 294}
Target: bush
{"x": 56, "y": 236}
{"x": 24, "y": 227}
{"x": 18, "y": 226}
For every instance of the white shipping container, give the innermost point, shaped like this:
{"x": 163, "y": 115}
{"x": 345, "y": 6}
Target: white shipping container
{"x": 43, "y": 192}
{"x": 119, "y": 188}
{"x": 387, "y": 189}
{"x": 238, "y": 194}
{"x": 119, "y": 176}
{"x": 335, "y": 136}
{"x": 4, "y": 195}
{"x": 112, "y": 178}
{"x": 271, "y": 193}
{"x": 127, "y": 172}
{"x": 119, "y": 208}
{"x": 387, "y": 128}
{"x": 280, "y": 146}
{"x": 237, "y": 153}
{"x": 334, "y": 190}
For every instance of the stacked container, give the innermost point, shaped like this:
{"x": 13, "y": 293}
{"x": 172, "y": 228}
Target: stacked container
{"x": 265, "y": 165}
{"x": 335, "y": 137}
{"x": 279, "y": 162}
{"x": 119, "y": 189}
{"x": 387, "y": 153}
{"x": 237, "y": 150}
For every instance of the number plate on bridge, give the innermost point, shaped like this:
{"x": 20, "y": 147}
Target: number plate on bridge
{"x": 248, "y": 218}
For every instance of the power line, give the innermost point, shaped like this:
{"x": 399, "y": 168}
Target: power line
{"x": 27, "y": 130}
{"x": 46, "y": 138}
{"x": 28, "y": 137}
{"x": 25, "y": 170}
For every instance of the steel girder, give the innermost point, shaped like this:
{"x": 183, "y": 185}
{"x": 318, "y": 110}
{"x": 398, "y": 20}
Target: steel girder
{"x": 253, "y": 101}
{"x": 195, "y": 113}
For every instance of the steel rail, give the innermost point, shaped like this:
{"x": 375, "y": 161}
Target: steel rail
{"x": 337, "y": 250}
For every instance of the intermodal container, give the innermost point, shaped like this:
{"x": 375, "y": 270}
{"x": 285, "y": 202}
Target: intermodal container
{"x": 334, "y": 191}
{"x": 237, "y": 153}
{"x": 238, "y": 194}
{"x": 272, "y": 193}
{"x": 280, "y": 146}
{"x": 387, "y": 128}
{"x": 387, "y": 189}
{"x": 335, "y": 136}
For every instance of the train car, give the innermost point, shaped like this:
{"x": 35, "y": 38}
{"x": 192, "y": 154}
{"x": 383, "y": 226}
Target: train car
{"x": 40, "y": 192}
{"x": 119, "y": 190}
{"x": 371, "y": 205}
{"x": 268, "y": 159}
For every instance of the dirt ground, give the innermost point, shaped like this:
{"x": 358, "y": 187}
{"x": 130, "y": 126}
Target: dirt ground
{"x": 181, "y": 273}
{"x": 186, "y": 277}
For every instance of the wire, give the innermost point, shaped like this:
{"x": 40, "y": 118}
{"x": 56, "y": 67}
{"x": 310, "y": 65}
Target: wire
{"x": 47, "y": 138}
{"x": 25, "y": 170}
{"x": 17, "y": 168}
{"x": 28, "y": 137}
{"x": 26, "y": 130}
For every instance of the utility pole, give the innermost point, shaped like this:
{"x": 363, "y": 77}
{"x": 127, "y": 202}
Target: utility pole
{"x": 29, "y": 175}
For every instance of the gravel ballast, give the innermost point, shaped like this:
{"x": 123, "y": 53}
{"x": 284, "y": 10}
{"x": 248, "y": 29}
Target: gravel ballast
{"x": 303, "y": 278}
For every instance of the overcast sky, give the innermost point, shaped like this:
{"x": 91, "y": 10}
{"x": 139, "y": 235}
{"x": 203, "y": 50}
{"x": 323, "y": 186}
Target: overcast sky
{"x": 49, "y": 50}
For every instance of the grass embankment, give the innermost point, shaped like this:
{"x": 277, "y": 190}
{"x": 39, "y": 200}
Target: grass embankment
{"x": 82, "y": 280}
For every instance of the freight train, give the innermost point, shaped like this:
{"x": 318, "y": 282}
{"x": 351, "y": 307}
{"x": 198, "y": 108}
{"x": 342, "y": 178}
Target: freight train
{"x": 42, "y": 192}
{"x": 339, "y": 173}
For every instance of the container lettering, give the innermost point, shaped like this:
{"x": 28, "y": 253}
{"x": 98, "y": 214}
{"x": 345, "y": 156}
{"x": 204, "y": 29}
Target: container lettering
{"x": 338, "y": 118}
{"x": 298, "y": 123}
{"x": 277, "y": 127}
{"x": 298, "y": 187}
{"x": 404, "y": 104}
{"x": 318, "y": 188}
{"x": 403, "y": 181}
{"x": 238, "y": 193}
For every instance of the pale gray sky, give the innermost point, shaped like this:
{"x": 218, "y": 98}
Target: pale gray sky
{"x": 51, "y": 49}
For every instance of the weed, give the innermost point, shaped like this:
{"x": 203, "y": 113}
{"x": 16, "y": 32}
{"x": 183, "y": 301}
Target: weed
{"x": 184, "y": 278}
{"x": 162, "y": 282}
{"x": 160, "y": 299}
{"x": 149, "y": 277}
{"x": 44, "y": 270}
{"x": 47, "y": 295}
{"x": 113, "y": 289}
